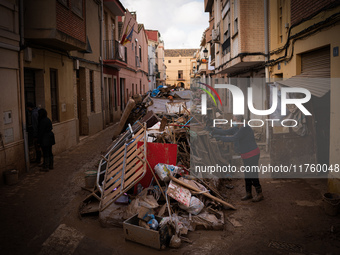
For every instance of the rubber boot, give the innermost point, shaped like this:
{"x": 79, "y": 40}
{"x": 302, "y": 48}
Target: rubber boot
{"x": 51, "y": 163}
{"x": 259, "y": 195}
{"x": 45, "y": 164}
{"x": 38, "y": 157}
{"x": 247, "y": 196}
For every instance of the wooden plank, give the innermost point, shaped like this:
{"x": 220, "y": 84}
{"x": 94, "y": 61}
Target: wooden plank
{"x": 115, "y": 178}
{"x": 128, "y": 159}
{"x": 122, "y": 149}
{"x": 118, "y": 176}
{"x": 114, "y": 174}
{"x": 198, "y": 190}
{"x": 117, "y": 191}
{"x": 127, "y": 174}
{"x": 131, "y": 170}
{"x": 133, "y": 177}
{"x": 120, "y": 161}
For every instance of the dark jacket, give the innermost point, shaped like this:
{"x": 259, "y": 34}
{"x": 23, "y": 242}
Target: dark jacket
{"x": 35, "y": 121}
{"x": 45, "y": 134}
{"x": 243, "y": 138}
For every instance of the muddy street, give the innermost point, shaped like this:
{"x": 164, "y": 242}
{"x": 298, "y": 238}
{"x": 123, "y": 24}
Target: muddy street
{"x": 43, "y": 208}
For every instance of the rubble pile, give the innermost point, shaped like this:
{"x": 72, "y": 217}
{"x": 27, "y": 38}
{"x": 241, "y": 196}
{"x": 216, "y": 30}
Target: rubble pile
{"x": 144, "y": 182}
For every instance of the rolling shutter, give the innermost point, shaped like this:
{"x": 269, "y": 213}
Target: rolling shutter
{"x": 316, "y": 64}
{"x": 315, "y": 73}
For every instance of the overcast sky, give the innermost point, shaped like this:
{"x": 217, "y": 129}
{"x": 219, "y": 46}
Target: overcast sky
{"x": 180, "y": 22}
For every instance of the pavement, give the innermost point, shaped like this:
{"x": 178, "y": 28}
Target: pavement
{"x": 39, "y": 215}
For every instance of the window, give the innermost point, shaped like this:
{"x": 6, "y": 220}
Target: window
{"x": 121, "y": 90}
{"x": 169, "y": 61}
{"x": 180, "y": 74}
{"x": 180, "y": 61}
{"x": 140, "y": 53}
{"x": 91, "y": 91}
{"x": 280, "y": 20}
{"x": 127, "y": 96}
{"x": 226, "y": 42}
{"x": 136, "y": 89}
{"x": 235, "y": 16}
{"x": 77, "y": 7}
{"x": 54, "y": 94}
{"x": 64, "y": 2}
{"x": 133, "y": 89}
{"x": 115, "y": 91}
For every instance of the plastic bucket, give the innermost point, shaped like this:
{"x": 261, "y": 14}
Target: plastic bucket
{"x": 90, "y": 179}
{"x": 11, "y": 177}
{"x": 331, "y": 202}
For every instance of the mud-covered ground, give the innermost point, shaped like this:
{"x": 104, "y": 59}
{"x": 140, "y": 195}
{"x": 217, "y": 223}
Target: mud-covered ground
{"x": 43, "y": 207}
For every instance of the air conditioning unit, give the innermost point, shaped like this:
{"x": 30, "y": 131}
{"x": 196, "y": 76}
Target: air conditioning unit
{"x": 216, "y": 35}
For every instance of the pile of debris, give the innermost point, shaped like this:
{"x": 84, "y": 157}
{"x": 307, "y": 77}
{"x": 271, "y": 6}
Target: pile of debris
{"x": 143, "y": 181}
{"x": 166, "y": 91}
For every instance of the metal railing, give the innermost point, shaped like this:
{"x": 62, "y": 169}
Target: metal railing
{"x": 113, "y": 50}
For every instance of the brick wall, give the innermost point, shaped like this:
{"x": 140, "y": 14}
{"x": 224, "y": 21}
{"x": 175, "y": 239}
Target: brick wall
{"x": 69, "y": 22}
{"x": 301, "y": 9}
{"x": 251, "y": 26}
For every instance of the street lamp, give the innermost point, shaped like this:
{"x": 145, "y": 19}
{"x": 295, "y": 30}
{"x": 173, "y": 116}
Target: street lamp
{"x": 205, "y": 53}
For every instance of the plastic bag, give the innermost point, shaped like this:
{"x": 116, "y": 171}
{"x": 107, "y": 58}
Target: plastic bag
{"x": 163, "y": 170}
{"x": 195, "y": 206}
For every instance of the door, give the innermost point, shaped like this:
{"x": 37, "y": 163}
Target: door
{"x": 29, "y": 89}
{"x": 122, "y": 93}
{"x": 79, "y": 98}
{"x": 110, "y": 85}
{"x": 106, "y": 101}
{"x": 316, "y": 64}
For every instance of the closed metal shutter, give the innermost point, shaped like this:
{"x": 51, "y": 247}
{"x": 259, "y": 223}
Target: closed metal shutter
{"x": 315, "y": 73}
{"x": 316, "y": 64}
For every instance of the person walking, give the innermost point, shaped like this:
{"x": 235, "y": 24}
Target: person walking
{"x": 34, "y": 122}
{"x": 46, "y": 139}
{"x": 243, "y": 137}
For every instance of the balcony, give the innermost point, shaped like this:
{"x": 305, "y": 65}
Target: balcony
{"x": 115, "y": 7}
{"x": 208, "y": 5}
{"x": 115, "y": 54}
{"x": 47, "y": 23}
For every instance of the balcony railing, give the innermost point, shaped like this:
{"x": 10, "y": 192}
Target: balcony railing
{"x": 113, "y": 50}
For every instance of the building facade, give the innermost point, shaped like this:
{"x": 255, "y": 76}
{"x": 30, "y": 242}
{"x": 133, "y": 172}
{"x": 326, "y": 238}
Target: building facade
{"x": 304, "y": 45}
{"x": 12, "y": 103}
{"x": 133, "y": 78}
{"x": 67, "y": 57}
{"x": 235, "y": 42}
{"x": 178, "y": 66}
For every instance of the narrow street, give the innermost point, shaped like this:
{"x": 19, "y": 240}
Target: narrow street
{"x": 43, "y": 209}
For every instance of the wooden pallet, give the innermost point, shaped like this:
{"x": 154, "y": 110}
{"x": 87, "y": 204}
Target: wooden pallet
{"x": 125, "y": 167}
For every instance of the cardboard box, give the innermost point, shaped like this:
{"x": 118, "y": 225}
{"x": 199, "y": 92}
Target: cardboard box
{"x": 179, "y": 193}
{"x": 152, "y": 238}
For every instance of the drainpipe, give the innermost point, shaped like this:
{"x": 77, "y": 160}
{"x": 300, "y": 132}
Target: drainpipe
{"x": 266, "y": 51}
{"x": 21, "y": 86}
{"x": 101, "y": 59}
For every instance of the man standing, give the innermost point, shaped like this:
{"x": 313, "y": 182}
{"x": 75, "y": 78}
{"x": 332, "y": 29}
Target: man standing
{"x": 243, "y": 137}
{"x": 46, "y": 139}
{"x": 34, "y": 121}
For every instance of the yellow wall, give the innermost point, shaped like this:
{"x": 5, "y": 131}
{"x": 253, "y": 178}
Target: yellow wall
{"x": 327, "y": 37}
{"x": 42, "y": 62}
{"x": 173, "y": 67}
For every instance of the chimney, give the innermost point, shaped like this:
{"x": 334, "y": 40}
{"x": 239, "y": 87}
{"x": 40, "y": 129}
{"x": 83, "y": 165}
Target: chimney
{"x": 134, "y": 15}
